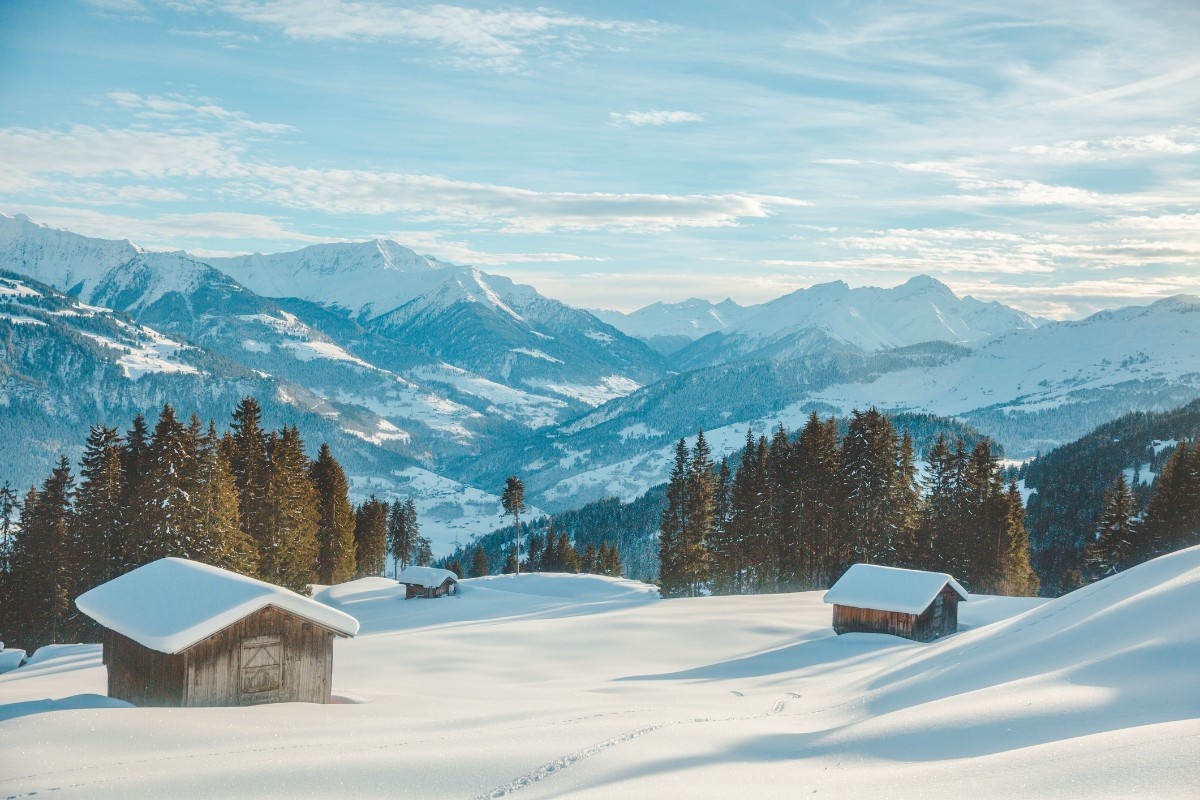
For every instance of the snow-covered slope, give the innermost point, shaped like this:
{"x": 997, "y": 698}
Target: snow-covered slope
{"x": 572, "y": 686}
{"x": 832, "y": 316}
{"x": 1062, "y": 378}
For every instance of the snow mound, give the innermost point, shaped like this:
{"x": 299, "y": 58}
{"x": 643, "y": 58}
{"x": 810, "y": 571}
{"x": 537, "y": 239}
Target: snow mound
{"x": 539, "y": 595}
{"x": 1115, "y": 655}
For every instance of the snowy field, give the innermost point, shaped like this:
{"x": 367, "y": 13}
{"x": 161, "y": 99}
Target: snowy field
{"x": 549, "y": 686}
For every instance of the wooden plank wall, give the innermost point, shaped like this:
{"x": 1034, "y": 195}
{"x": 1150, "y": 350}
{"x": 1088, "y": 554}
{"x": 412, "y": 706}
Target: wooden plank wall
{"x": 307, "y": 676}
{"x": 143, "y": 676}
{"x": 870, "y": 620}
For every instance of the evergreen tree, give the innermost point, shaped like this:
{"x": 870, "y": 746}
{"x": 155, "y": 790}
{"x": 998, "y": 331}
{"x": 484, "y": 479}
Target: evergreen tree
{"x": 1112, "y": 548}
{"x": 985, "y": 515}
{"x": 589, "y": 559}
{"x": 9, "y": 508}
{"x": 610, "y": 561}
{"x": 423, "y": 552}
{"x": 370, "y": 537}
{"x": 1019, "y": 578}
{"x": 336, "y": 523}
{"x": 817, "y": 466}
{"x": 167, "y": 493}
{"x": 246, "y": 449}
{"x": 510, "y": 563}
{"x": 567, "y": 554}
{"x": 96, "y": 532}
{"x": 223, "y": 543}
{"x": 788, "y": 541}
{"x": 671, "y": 581}
{"x": 722, "y": 548}
{"x": 513, "y": 501}
{"x": 907, "y": 502}
{"x": 41, "y": 561}
{"x": 697, "y": 518}
{"x": 535, "y": 562}
{"x": 287, "y": 542}
{"x": 137, "y": 513}
{"x": 479, "y": 563}
{"x": 873, "y": 520}
{"x": 1171, "y": 519}
{"x": 455, "y": 567}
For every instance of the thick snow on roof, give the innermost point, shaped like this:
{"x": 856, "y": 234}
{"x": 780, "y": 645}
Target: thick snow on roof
{"x": 170, "y": 604}
{"x": 428, "y": 577}
{"x": 908, "y": 591}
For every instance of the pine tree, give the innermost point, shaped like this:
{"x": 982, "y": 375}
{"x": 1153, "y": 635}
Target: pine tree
{"x": 907, "y": 502}
{"x": 1170, "y": 521}
{"x": 479, "y": 563}
{"x": 335, "y": 519}
{"x": 9, "y": 509}
{"x": 567, "y": 554}
{"x": 551, "y": 559}
{"x": 370, "y": 537}
{"x": 722, "y": 547}
{"x": 535, "y": 562}
{"x": 96, "y": 532}
{"x": 817, "y": 465}
{"x": 246, "y": 449}
{"x": 671, "y": 528}
{"x": 610, "y": 561}
{"x": 41, "y": 561}
{"x": 223, "y": 543}
{"x": 786, "y": 545}
{"x": 1112, "y": 548}
{"x": 985, "y": 515}
{"x": 167, "y": 492}
{"x": 1019, "y": 578}
{"x": 589, "y": 559}
{"x": 136, "y": 512}
{"x": 423, "y": 552}
{"x": 456, "y": 567}
{"x": 287, "y": 543}
{"x": 870, "y": 467}
{"x": 698, "y": 518}
{"x": 513, "y": 501}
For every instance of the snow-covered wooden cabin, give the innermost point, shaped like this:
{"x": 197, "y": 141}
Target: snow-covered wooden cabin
{"x": 427, "y": 582}
{"x": 181, "y": 633}
{"x": 911, "y": 603}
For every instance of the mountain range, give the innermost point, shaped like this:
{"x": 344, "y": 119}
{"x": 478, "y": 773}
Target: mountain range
{"x": 438, "y": 380}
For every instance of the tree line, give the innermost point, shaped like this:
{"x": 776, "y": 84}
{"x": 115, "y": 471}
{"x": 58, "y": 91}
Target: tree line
{"x": 249, "y": 500}
{"x": 797, "y": 510}
{"x": 1124, "y": 537}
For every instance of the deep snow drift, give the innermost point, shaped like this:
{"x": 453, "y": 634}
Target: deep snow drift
{"x": 577, "y": 686}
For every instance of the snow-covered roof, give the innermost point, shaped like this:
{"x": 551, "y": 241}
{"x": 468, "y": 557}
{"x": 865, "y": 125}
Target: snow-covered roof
{"x": 171, "y": 604}
{"x": 908, "y": 591}
{"x": 428, "y": 577}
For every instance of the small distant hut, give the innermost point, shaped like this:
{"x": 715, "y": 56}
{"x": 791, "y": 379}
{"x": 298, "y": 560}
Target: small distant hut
{"x": 181, "y": 633}
{"x": 903, "y": 602}
{"x": 427, "y": 582}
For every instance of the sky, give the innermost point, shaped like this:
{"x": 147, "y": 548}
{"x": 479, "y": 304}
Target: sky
{"x": 614, "y": 154}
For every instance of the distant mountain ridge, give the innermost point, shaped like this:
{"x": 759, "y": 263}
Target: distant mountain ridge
{"x": 470, "y": 377}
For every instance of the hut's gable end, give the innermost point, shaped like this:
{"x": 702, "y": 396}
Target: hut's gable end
{"x": 267, "y": 657}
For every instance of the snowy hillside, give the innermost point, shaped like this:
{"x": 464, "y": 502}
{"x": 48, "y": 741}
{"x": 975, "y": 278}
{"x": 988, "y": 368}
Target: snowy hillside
{"x": 584, "y": 687}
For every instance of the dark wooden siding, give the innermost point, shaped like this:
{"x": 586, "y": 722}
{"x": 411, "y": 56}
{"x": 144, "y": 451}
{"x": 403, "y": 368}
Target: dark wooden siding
{"x": 143, "y": 676}
{"x": 269, "y": 656}
{"x": 446, "y": 587}
{"x": 932, "y": 623}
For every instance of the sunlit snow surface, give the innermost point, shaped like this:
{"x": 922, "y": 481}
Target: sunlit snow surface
{"x": 546, "y": 686}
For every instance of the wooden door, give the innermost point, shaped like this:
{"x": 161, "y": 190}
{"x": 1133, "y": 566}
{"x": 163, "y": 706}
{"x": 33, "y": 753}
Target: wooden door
{"x": 260, "y": 671}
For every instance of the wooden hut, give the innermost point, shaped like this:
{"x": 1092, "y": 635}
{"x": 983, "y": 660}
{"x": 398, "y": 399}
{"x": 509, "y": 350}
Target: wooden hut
{"x": 181, "y": 633}
{"x": 904, "y": 602}
{"x": 427, "y": 582}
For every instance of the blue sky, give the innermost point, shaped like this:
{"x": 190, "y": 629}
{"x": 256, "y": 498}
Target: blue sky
{"x": 613, "y": 154}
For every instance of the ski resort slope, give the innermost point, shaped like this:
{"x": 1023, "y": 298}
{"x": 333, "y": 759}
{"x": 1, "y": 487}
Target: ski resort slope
{"x": 552, "y": 686}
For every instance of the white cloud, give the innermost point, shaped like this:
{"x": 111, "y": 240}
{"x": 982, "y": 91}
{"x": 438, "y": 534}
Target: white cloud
{"x": 1180, "y": 141}
{"x": 433, "y": 243}
{"x": 639, "y": 119}
{"x": 485, "y": 38}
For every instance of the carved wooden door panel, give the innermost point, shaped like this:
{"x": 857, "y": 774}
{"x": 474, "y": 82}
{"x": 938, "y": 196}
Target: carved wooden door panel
{"x": 260, "y": 673}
